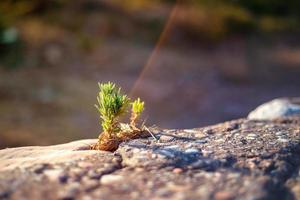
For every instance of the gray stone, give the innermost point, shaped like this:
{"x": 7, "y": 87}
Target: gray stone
{"x": 283, "y": 140}
{"x": 226, "y": 166}
{"x": 192, "y": 151}
{"x": 276, "y": 108}
{"x": 166, "y": 138}
{"x": 54, "y": 174}
{"x": 111, "y": 179}
{"x": 70, "y": 192}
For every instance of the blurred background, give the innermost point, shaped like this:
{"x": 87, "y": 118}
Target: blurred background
{"x": 194, "y": 62}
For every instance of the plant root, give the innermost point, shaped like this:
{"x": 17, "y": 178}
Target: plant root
{"x": 111, "y": 142}
{"x": 106, "y": 142}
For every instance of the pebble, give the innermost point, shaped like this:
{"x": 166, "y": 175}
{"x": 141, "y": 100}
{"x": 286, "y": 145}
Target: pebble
{"x": 247, "y": 126}
{"x": 40, "y": 168}
{"x": 111, "y": 179}
{"x": 203, "y": 192}
{"x": 189, "y": 145}
{"x": 198, "y": 164}
{"x": 163, "y": 192}
{"x": 86, "y": 198}
{"x": 63, "y": 178}
{"x": 219, "y": 140}
{"x": 179, "y": 196}
{"x": 177, "y": 170}
{"x": 283, "y": 140}
{"x": 243, "y": 141}
{"x": 134, "y": 195}
{"x": 208, "y": 131}
{"x": 207, "y": 152}
{"x": 85, "y": 165}
{"x": 116, "y": 159}
{"x": 190, "y": 131}
{"x": 231, "y": 126}
{"x": 201, "y": 141}
{"x": 136, "y": 151}
{"x": 173, "y": 147}
{"x": 167, "y": 153}
{"x": 281, "y": 133}
{"x": 94, "y": 174}
{"x": 200, "y": 135}
{"x": 166, "y": 138}
{"x": 192, "y": 151}
{"x": 150, "y": 184}
{"x": 77, "y": 172}
{"x": 153, "y": 155}
{"x": 266, "y": 155}
{"x": 223, "y": 195}
{"x": 53, "y": 174}
{"x": 70, "y": 192}
{"x": 251, "y": 136}
{"x": 90, "y": 185}
{"x": 265, "y": 164}
{"x": 139, "y": 169}
{"x": 233, "y": 175}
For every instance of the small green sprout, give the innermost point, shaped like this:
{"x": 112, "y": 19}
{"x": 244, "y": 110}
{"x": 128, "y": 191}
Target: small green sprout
{"x": 136, "y": 110}
{"x": 111, "y": 105}
{"x": 138, "y": 106}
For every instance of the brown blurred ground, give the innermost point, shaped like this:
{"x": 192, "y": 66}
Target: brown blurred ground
{"x": 201, "y": 74}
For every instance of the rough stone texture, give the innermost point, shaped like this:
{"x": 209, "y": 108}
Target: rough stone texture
{"x": 281, "y": 107}
{"x": 240, "y": 159}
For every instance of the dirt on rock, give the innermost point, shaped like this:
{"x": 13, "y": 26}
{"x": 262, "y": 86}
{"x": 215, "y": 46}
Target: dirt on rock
{"x": 240, "y": 159}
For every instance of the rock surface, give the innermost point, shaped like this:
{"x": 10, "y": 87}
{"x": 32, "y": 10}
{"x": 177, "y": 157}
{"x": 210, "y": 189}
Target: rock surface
{"x": 282, "y": 107}
{"x": 240, "y": 159}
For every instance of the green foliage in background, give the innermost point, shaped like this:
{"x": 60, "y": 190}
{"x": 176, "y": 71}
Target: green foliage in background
{"x": 10, "y": 45}
{"x": 11, "y": 11}
{"x": 209, "y": 19}
{"x": 274, "y": 14}
{"x": 254, "y": 15}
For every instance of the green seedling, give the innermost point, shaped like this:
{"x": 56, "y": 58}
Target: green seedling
{"x": 112, "y": 104}
{"x": 136, "y": 110}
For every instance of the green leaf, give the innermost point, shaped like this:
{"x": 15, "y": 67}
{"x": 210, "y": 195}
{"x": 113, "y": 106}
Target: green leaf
{"x": 111, "y": 104}
{"x": 138, "y": 106}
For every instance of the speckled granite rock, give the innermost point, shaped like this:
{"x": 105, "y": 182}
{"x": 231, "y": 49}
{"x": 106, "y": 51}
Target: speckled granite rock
{"x": 241, "y": 159}
{"x": 281, "y": 107}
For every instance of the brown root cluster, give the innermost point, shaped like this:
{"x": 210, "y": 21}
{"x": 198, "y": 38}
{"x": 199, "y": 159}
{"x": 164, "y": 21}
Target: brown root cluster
{"x": 111, "y": 141}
